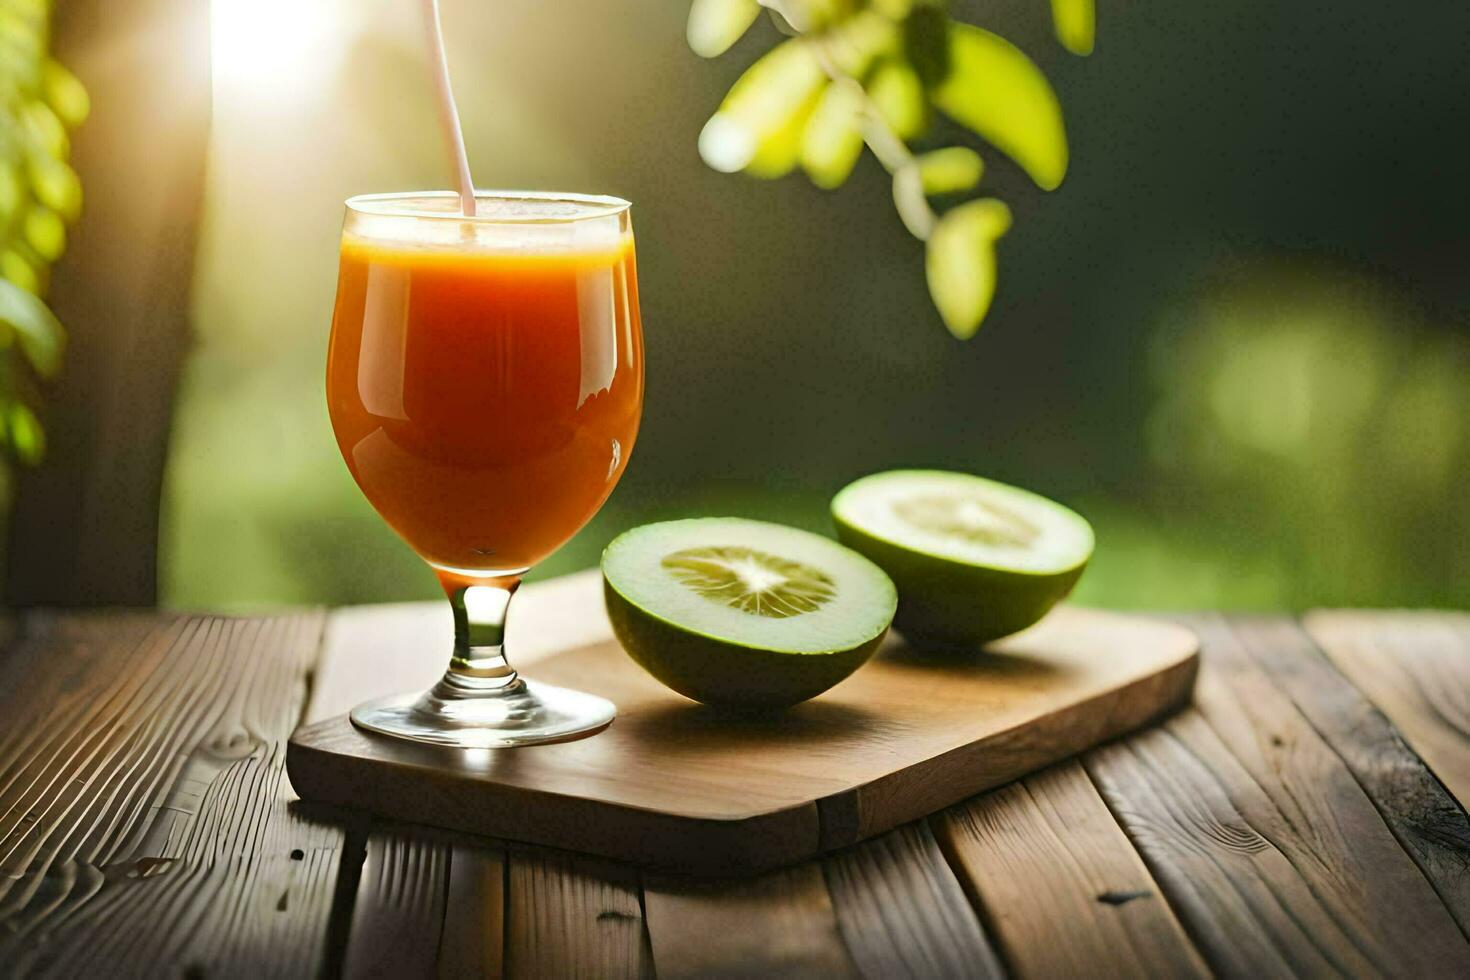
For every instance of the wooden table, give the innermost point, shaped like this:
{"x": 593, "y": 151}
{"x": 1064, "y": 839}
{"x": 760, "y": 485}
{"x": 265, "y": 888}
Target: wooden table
{"x": 1301, "y": 818}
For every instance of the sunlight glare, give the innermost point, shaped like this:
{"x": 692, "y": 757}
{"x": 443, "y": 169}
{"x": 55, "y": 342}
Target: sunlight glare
{"x": 268, "y": 50}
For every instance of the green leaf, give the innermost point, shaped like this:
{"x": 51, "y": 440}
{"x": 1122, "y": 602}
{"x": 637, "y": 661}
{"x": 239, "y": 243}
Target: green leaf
{"x": 960, "y": 263}
{"x": 17, "y": 270}
{"x": 1076, "y": 22}
{"x": 862, "y": 39}
{"x": 781, "y": 24}
{"x": 759, "y": 125}
{"x": 45, "y": 130}
{"x": 780, "y": 151}
{"x": 56, "y": 185}
{"x": 898, "y": 95}
{"x": 34, "y": 11}
{"x": 12, "y": 194}
{"x": 951, "y": 170}
{"x": 66, "y": 95}
{"x": 999, "y": 93}
{"x": 26, "y": 436}
{"x": 714, "y": 25}
{"x": 894, "y": 9}
{"x": 36, "y": 327}
{"x": 21, "y": 33}
{"x": 833, "y": 139}
{"x": 813, "y": 16}
{"x": 45, "y": 232}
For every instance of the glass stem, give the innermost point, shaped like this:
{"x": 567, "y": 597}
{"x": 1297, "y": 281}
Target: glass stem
{"x": 478, "y": 665}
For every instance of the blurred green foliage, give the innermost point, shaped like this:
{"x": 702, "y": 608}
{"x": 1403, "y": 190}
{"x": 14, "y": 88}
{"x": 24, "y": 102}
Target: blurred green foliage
{"x": 1312, "y": 414}
{"x": 40, "y": 101}
{"x": 875, "y": 72}
{"x": 1262, "y": 221}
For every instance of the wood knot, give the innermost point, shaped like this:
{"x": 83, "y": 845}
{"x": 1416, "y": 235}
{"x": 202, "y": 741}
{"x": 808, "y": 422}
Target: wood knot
{"x": 1120, "y": 898}
{"x": 233, "y": 746}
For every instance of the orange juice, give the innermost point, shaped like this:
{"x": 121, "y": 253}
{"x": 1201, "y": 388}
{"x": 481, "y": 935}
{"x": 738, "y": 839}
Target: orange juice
{"x": 486, "y": 397}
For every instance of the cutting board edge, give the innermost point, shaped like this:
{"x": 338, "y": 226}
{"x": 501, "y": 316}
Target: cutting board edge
{"x": 302, "y": 741}
{"x": 714, "y": 846}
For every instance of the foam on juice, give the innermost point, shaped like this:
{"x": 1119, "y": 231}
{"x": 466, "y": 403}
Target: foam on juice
{"x": 524, "y": 222}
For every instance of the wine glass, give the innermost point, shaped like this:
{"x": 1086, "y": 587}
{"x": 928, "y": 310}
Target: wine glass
{"x": 485, "y": 383}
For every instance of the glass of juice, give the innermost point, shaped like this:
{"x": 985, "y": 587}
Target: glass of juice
{"x": 485, "y": 382}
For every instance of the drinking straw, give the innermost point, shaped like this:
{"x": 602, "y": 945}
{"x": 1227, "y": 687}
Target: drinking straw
{"x": 448, "y": 113}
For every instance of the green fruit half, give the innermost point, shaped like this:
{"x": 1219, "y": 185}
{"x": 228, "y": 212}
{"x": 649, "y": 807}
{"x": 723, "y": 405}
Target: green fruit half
{"x": 742, "y": 613}
{"x": 974, "y": 560}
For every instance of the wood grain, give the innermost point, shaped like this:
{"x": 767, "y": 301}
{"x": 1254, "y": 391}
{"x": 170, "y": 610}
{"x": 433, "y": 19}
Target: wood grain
{"x": 780, "y": 924}
{"x": 1425, "y": 818}
{"x": 1267, "y": 849}
{"x": 1311, "y": 787}
{"x": 568, "y": 916}
{"x": 676, "y": 786}
{"x": 145, "y": 829}
{"x": 1062, "y": 889}
{"x": 145, "y": 820}
{"x": 1415, "y": 666}
{"x": 902, "y": 912}
{"x": 398, "y": 912}
{"x": 83, "y": 528}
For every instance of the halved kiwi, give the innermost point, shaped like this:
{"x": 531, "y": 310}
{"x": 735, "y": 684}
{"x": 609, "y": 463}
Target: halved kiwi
{"x": 742, "y": 613}
{"x": 973, "y": 559}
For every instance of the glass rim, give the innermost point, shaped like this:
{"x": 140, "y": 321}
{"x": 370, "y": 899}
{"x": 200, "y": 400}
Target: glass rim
{"x": 382, "y": 205}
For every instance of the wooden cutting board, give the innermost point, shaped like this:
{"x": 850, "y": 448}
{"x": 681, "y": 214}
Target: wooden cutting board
{"x": 678, "y": 787}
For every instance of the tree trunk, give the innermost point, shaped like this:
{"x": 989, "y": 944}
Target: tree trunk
{"x": 84, "y": 529}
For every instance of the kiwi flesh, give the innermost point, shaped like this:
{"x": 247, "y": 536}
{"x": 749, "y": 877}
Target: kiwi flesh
{"x": 744, "y": 614}
{"x": 973, "y": 559}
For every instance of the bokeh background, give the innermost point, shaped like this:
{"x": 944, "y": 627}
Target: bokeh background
{"x": 1237, "y": 338}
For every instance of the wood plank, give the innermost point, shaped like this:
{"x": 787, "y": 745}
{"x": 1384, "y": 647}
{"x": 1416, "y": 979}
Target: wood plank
{"x": 371, "y": 649}
{"x": 781, "y": 924}
{"x": 902, "y": 912}
{"x": 1415, "y": 666}
{"x": 1425, "y": 818}
{"x": 430, "y": 905}
{"x": 398, "y": 912}
{"x": 568, "y": 916}
{"x": 368, "y": 651}
{"x": 682, "y": 788}
{"x": 1266, "y": 847}
{"x": 1062, "y": 889}
{"x": 473, "y": 938}
{"x": 1311, "y": 787}
{"x": 146, "y": 824}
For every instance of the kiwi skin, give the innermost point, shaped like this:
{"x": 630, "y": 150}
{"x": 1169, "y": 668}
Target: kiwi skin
{"x": 951, "y": 605}
{"x": 724, "y": 674}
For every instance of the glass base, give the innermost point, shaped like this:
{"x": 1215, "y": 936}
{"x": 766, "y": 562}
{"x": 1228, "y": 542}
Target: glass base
{"x": 519, "y": 713}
